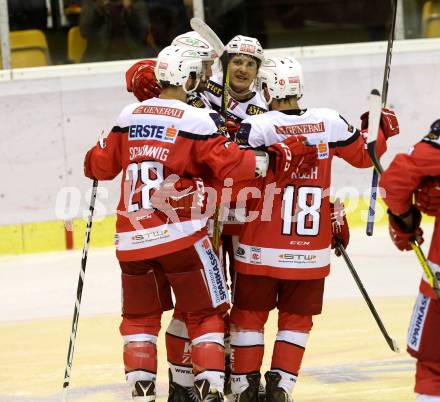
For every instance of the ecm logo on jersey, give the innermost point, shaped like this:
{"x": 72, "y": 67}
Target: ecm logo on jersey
{"x": 152, "y": 132}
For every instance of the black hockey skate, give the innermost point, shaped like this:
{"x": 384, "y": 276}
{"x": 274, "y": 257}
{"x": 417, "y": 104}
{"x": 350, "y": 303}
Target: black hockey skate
{"x": 274, "y": 393}
{"x": 202, "y": 389}
{"x": 144, "y": 391}
{"x": 251, "y": 393}
{"x": 179, "y": 393}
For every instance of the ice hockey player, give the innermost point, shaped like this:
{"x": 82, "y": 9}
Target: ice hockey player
{"x": 246, "y": 55}
{"x": 283, "y": 258}
{"x": 150, "y": 142}
{"x": 140, "y": 80}
{"x": 422, "y": 178}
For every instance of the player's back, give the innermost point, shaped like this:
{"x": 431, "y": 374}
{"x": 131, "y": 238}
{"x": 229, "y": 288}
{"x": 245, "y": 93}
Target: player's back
{"x": 293, "y": 241}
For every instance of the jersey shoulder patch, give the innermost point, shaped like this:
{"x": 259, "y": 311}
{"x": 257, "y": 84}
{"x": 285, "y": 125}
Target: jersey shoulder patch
{"x": 214, "y": 88}
{"x": 253, "y": 110}
{"x": 196, "y": 101}
{"x": 433, "y": 139}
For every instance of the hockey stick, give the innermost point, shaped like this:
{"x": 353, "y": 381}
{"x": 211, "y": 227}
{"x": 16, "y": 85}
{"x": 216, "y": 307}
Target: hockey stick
{"x": 80, "y": 285}
{"x": 79, "y": 290}
{"x": 206, "y": 32}
{"x": 375, "y": 110}
{"x": 372, "y": 144}
{"x": 392, "y": 343}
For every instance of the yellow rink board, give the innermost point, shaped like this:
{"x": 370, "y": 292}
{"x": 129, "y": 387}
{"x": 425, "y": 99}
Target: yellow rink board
{"x": 346, "y": 359}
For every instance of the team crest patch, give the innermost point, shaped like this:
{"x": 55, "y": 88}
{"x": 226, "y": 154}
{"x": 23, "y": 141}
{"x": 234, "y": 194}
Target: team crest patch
{"x": 214, "y": 88}
{"x": 432, "y": 138}
{"x": 252, "y": 110}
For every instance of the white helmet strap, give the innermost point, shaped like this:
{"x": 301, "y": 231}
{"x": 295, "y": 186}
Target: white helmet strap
{"x": 190, "y": 90}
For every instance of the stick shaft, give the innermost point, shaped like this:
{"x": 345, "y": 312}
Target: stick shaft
{"x": 385, "y": 84}
{"x": 391, "y": 343}
{"x": 79, "y": 291}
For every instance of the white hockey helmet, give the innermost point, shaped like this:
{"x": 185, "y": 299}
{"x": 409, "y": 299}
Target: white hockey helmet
{"x": 175, "y": 64}
{"x": 195, "y": 41}
{"x": 282, "y": 76}
{"x": 245, "y": 45}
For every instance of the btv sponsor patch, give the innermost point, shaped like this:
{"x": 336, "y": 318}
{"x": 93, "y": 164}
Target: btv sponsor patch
{"x": 417, "y": 323}
{"x": 213, "y": 272}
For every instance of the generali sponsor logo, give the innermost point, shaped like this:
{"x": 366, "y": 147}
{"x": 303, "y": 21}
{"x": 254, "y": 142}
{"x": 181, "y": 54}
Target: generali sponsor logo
{"x": 247, "y": 48}
{"x": 308, "y": 128}
{"x": 159, "y": 110}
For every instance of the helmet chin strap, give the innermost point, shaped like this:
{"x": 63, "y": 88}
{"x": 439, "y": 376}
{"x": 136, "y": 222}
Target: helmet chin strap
{"x": 241, "y": 95}
{"x": 196, "y": 84}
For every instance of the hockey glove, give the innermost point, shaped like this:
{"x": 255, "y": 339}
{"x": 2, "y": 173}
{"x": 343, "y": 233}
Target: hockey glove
{"x": 405, "y": 228}
{"x": 87, "y": 165}
{"x": 428, "y": 196}
{"x": 340, "y": 229}
{"x": 141, "y": 80}
{"x": 388, "y": 122}
{"x": 292, "y": 155}
{"x": 180, "y": 198}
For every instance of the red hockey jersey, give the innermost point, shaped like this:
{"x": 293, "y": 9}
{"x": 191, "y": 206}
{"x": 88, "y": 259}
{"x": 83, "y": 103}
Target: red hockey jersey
{"x": 291, "y": 239}
{"x": 150, "y": 141}
{"x": 423, "y": 160}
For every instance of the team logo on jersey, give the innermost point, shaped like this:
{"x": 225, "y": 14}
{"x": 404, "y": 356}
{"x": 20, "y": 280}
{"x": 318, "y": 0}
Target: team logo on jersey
{"x": 307, "y": 128}
{"x": 214, "y": 88}
{"x": 255, "y": 255}
{"x": 323, "y": 152}
{"x": 152, "y": 132}
{"x": 252, "y": 110}
{"x": 433, "y": 138}
{"x": 196, "y": 102}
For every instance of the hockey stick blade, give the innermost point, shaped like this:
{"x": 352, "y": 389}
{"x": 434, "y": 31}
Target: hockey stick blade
{"x": 392, "y": 343}
{"x": 206, "y": 32}
{"x": 375, "y": 111}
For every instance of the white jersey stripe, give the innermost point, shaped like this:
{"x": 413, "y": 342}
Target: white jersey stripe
{"x": 283, "y": 258}
{"x": 139, "y": 239}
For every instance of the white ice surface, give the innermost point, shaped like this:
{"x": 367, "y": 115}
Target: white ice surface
{"x": 41, "y": 286}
